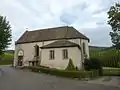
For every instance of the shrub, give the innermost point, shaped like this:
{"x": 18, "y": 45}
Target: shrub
{"x": 87, "y": 64}
{"x": 64, "y": 73}
{"x": 71, "y": 66}
{"x": 93, "y": 64}
{"x": 76, "y": 68}
{"x": 119, "y": 64}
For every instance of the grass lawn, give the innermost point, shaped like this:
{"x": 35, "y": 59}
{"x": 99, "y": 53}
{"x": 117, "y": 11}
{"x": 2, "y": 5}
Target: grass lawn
{"x": 109, "y": 71}
{"x": 110, "y": 68}
{"x": 7, "y": 59}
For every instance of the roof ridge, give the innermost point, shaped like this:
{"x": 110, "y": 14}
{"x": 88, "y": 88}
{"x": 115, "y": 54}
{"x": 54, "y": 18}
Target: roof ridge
{"x": 56, "y": 33}
{"x": 49, "y": 28}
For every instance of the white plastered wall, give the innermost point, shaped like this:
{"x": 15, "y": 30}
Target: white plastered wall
{"x": 29, "y": 52}
{"x": 58, "y": 62}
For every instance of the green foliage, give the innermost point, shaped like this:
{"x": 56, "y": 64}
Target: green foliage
{"x": 109, "y": 58}
{"x": 70, "y": 66}
{"x": 64, "y": 73}
{"x": 111, "y": 72}
{"x": 76, "y": 68}
{"x": 5, "y": 34}
{"x": 87, "y": 64}
{"x": 93, "y": 64}
{"x": 6, "y": 59}
{"x": 114, "y": 22}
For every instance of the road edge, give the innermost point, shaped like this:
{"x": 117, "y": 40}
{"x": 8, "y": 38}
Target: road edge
{"x": 1, "y": 71}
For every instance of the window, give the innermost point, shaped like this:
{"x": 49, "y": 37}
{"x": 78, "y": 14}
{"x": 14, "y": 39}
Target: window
{"x": 84, "y": 51}
{"x": 65, "y": 54}
{"x": 52, "y": 54}
{"x": 36, "y": 50}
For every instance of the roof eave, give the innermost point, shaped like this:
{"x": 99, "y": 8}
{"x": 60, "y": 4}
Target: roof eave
{"x": 60, "y": 47}
{"x": 50, "y": 40}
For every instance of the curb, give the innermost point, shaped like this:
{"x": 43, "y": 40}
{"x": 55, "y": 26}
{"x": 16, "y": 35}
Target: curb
{"x": 1, "y": 72}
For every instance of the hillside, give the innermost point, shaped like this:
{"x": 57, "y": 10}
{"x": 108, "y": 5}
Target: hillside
{"x": 97, "y": 48}
{"x": 10, "y": 51}
{"x": 7, "y": 58}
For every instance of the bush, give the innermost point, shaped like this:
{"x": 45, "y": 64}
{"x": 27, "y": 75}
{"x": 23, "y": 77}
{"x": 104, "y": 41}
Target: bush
{"x": 71, "y": 66}
{"x": 87, "y": 64}
{"x": 93, "y": 64}
{"x": 64, "y": 73}
{"x": 76, "y": 68}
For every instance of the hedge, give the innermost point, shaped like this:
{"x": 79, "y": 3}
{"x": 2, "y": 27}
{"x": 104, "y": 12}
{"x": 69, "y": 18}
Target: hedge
{"x": 64, "y": 73}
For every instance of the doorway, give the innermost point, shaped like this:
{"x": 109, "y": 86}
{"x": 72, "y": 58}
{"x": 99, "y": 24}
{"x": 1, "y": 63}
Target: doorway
{"x": 20, "y": 60}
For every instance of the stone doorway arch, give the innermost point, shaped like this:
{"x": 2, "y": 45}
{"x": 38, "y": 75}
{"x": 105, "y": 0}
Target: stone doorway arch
{"x": 20, "y": 55}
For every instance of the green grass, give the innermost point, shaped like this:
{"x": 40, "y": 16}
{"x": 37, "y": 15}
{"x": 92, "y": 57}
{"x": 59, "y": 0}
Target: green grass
{"x": 108, "y": 71}
{"x": 6, "y": 59}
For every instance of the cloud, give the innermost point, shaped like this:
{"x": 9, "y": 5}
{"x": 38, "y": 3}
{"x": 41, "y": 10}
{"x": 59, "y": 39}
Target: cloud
{"x": 69, "y": 16}
{"x": 89, "y": 17}
{"x": 99, "y": 35}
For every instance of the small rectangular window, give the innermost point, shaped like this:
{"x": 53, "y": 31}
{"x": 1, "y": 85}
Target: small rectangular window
{"x": 65, "y": 54}
{"x": 52, "y": 54}
{"x": 84, "y": 50}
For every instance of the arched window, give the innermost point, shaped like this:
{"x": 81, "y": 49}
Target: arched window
{"x": 20, "y": 52}
{"x": 84, "y": 50}
{"x": 36, "y": 50}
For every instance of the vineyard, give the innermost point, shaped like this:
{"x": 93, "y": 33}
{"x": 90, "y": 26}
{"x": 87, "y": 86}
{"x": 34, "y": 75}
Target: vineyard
{"x": 108, "y": 57}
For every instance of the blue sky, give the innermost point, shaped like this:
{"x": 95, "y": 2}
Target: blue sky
{"x": 87, "y": 16}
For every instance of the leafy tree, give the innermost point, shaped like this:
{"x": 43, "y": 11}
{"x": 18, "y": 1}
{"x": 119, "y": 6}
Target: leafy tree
{"x": 5, "y": 34}
{"x": 114, "y": 22}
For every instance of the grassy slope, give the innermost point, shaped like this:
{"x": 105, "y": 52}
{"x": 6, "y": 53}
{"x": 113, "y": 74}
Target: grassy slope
{"x": 7, "y": 59}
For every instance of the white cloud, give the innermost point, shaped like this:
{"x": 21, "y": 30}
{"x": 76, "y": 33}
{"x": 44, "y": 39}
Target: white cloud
{"x": 81, "y": 14}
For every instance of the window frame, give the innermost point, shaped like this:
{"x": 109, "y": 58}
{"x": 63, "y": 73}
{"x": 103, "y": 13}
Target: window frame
{"x": 84, "y": 48}
{"x": 51, "y": 54}
{"x": 37, "y": 50}
{"x": 65, "y": 53}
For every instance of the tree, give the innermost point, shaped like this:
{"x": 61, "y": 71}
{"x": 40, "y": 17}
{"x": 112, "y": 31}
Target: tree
{"x": 70, "y": 66}
{"x": 114, "y": 22}
{"x": 5, "y": 34}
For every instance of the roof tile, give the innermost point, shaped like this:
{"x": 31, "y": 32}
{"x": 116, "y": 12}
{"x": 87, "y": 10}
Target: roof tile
{"x": 56, "y": 33}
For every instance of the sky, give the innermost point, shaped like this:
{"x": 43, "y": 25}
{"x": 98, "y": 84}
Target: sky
{"x": 87, "y": 16}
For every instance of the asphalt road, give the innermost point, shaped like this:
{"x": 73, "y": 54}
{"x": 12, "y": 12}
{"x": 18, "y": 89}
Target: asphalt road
{"x": 16, "y": 79}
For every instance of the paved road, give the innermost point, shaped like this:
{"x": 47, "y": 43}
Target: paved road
{"x": 16, "y": 79}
